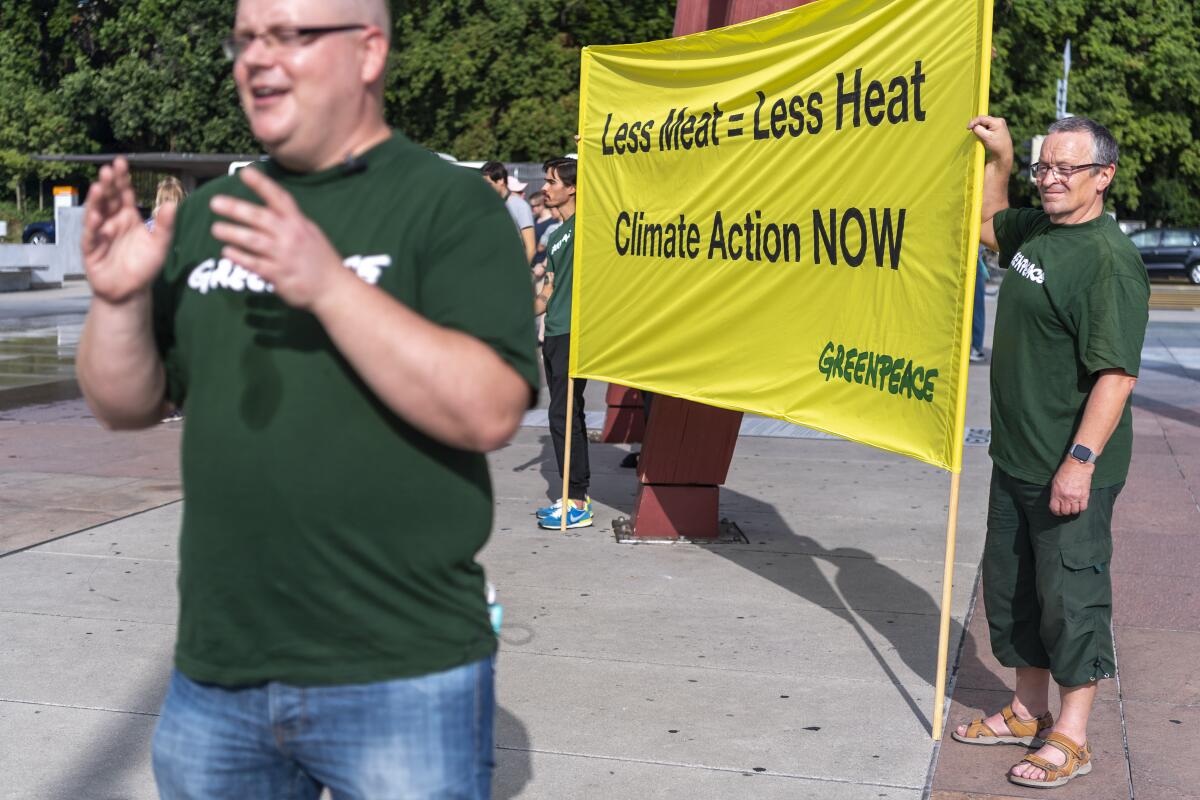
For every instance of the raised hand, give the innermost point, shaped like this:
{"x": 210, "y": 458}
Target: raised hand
{"x": 277, "y": 242}
{"x": 120, "y": 256}
{"x": 993, "y": 133}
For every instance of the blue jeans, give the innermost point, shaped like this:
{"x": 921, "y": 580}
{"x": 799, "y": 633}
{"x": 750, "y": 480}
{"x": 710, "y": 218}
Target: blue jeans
{"x": 979, "y": 314}
{"x": 426, "y": 737}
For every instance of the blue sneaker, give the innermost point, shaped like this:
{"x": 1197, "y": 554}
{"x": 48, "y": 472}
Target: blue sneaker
{"x": 576, "y": 518}
{"x": 550, "y": 510}
{"x": 546, "y": 511}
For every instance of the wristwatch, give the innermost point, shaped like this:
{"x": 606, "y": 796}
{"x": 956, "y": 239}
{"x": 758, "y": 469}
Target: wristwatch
{"x": 1082, "y": 453}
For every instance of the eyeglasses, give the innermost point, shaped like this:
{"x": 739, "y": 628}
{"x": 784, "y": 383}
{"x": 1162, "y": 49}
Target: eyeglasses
{"x": 1060, "y": 171}
{"x": 280, "y": 38}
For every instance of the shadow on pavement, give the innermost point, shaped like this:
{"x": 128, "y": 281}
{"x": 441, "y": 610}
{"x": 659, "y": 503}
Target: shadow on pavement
{"x": 1174, "y": 370}
{"x": 864, "y": 593}
{"x": 547, "y": 466}
{"x": 1185, "y": 415}
{"x": 513, "y": 766}
{"x": 106, "y": 769}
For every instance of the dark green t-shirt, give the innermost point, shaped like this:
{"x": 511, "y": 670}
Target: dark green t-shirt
{"x": 325, "y": 540}
{"x": 1075, "y": 301}
{"x": 560, "y": 259}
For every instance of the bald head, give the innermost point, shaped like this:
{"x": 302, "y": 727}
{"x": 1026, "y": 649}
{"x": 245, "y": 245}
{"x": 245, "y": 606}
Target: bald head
{"x": 372, "y": 12}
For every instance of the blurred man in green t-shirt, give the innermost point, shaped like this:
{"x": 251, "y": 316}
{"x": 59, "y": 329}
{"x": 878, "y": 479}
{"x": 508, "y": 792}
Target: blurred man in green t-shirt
{"x": 1070, "y": 322}
{"x": 341, "y": 388}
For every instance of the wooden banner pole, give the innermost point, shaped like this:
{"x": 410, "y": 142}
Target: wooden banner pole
{"x": 567, "y": 451}
{"x": 939, "y": 700}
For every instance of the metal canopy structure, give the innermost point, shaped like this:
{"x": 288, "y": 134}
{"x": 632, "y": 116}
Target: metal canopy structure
{"x": 189, "y": 167}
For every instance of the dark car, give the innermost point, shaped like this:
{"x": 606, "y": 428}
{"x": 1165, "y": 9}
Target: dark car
{"x": 1170, "y": 249}
{"x": 38, "y": 233}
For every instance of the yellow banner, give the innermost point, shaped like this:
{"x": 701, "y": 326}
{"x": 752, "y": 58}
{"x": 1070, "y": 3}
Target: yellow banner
{"x": 781, "y": 217}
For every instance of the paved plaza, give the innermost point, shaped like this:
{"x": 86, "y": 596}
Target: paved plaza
{"x": 799, "y": 664}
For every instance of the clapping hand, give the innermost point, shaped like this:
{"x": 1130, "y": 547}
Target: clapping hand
{"x": 277, "y": 242}
{"x": 120, "y": 256}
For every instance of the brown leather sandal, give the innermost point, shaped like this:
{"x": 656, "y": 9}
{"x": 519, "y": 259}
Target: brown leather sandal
{"x": 1079, "y": 762}
{"x": 1021, "y": 731}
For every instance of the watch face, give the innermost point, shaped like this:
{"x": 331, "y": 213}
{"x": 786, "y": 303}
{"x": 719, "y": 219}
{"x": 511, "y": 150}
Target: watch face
{"x": 1081, "y": 453}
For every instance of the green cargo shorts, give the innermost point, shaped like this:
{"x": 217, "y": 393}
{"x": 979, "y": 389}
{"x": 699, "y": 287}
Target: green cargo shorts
{"x": 1046, "y": 585}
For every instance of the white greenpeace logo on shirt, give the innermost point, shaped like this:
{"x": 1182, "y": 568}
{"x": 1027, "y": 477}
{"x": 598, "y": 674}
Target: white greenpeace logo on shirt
{"x": 558, "y": 245}
{"x": 222, "y": 273}
{"x": 1026, "y": 268}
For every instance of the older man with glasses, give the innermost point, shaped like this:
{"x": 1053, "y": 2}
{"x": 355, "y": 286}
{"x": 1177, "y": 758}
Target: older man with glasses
{"x": 1070, "y": 322}
{"x": 341, "y": 389}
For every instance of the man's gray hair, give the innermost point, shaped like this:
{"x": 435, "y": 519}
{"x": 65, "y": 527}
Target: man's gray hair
{"x": 1104, "y": 146}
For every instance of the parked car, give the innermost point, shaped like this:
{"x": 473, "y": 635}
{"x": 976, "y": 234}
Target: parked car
{"x": 38, "y": 233}
{"x": 1170, "y": 250}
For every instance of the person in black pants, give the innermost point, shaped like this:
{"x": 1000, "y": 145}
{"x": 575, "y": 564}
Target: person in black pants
{"x": 555, "y": 300}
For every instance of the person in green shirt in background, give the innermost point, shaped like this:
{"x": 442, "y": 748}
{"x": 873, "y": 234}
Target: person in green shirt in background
{"x": 341, "y": 389}
{"x": 1070, "y": 321}
{"x": 555, "y": 300}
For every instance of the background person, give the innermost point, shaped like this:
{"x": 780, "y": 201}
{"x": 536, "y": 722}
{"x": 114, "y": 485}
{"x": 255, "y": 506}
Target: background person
{"x": 517, "y": 187}
{"x": 979, "y": 312}
{"x": 496, "y": 174}
{"x": 543, "y": 220}
{"x": 555, "y": 301}
{"x": 169, "y": 192}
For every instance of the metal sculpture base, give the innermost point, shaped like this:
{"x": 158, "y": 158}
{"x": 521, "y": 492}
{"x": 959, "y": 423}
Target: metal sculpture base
{"x": 728, "y": 533}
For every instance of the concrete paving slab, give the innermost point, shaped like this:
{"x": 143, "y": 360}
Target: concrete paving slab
{"x": 1159, "y": 666}
{"x": 61, "y": 473}
{"x": 25, "y": 527}
{"x": 562, "y": 775}
{"x": 831, "y": 578}
{"x": 32, "y": 440}
{"x": 786, "y": 725}
{"x": 942, "y": 795}
{"x": 1156, "y": 499}
{"x": 152, "y": 535}
{"x": 1165, "y": 602}
{"x": 72, "y": 661}
{"x": 742, "y": 633}
{"x": 1159, "y": 737}
{"x": 1156, "y": 554}
{"x": 162, "y": 467}
{"x": 117, "y": 495}
{"x": 81, "y": 754}
{"x": 72, "y": 411}
{"x": 91, "y": 587}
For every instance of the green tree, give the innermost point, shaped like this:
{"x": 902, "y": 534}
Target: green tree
{"x": 33, "y": 115}
{"x": 500, "y": 78}
{"x": 1135, "y": 68}
{"x": 149, "y": 75}
{"x": 480, "y": 78}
